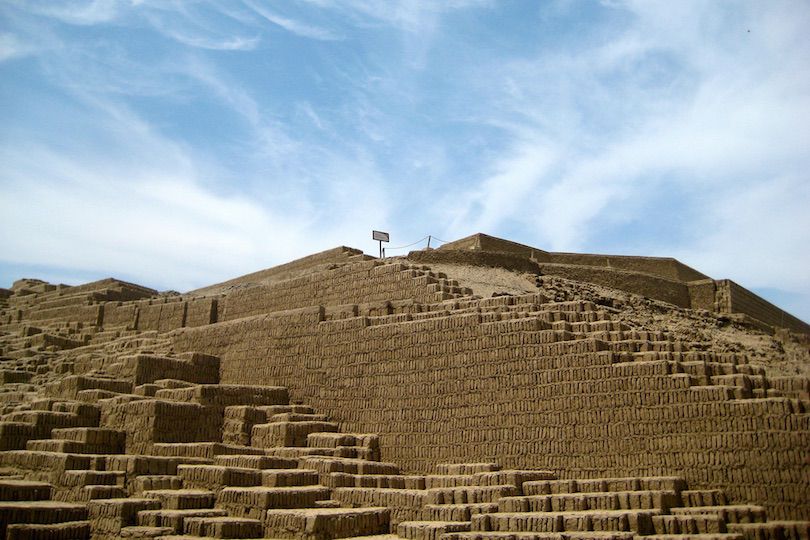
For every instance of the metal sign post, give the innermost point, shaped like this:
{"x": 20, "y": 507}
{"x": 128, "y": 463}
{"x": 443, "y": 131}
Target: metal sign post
{"x": 381, "y": 237}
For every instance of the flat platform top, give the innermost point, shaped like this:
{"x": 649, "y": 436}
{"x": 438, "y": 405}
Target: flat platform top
{"x": 23, "y": 483}
{"x": 328, "y": 511}
{"x": 41, "y": 505}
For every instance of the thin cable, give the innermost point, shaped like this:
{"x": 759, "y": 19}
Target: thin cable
{"x": 409, "y": 245}
{"x": 440, "y": 240}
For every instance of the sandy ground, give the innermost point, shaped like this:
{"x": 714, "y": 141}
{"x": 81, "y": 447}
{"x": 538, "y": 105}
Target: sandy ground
{"x": 779, "y": 355}
{"x": 488, "y": 281}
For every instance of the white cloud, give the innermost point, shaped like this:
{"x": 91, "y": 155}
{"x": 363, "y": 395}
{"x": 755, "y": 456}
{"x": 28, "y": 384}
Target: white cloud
{"x": 78, "y": 12}
{"x": 160, "y": 225}
{"x": 12, "y": 47}
{"x": 228, "y": 91}
{"x": 180, "y": 29}
{"x": 176, "y": 20}
{"x": 236, "y": 43}
{"x": 510, "y": 189}
{"x": 307, "y": 110}
{"x": 132, "y": 227}
{"x": 141, "y": 206}
{"x": 413, "y": 16}
{"x": 759, "y": 236}
{"x": 293, "y": 26}
{"x": 680, "y": 99}
{"x": 416, "y": 20}
{"x": 661, "y": 98}
{"x": 729, "y": 118}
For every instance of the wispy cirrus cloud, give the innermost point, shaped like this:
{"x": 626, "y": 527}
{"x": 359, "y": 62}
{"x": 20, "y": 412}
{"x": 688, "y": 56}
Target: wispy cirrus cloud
{"x": 236, "y": 43}
{"x": 716, "y": 120}
{"x": 152, "y": 215}
{"x": 291, "y": 25}
{"x": 691, "y": 100}
{"x": 12, "y": 47}
{"x": 123, "y": 181}
{"x": 408, "y": 15}
{"x": 77, "y": 12}
{"x": 667, "y": 128}
{"x": 189, "y": 28}
{"x": 416, "y": 22}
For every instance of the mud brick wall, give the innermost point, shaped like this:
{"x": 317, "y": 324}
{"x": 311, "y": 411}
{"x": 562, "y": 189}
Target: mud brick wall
{"x": 105, "y": 290}
{"x": 123, "y": 288}
{"x": 732, "y": 298}
{"x": 47, "y": 340}
{"x": 48, "y": 302}
{"x": 162, "y": 316}
{"x": 89, "y": 314}
{"x": 664, "y": 267}
{"x": 648, "y": 285}
{"x": 288, "y": 270}
{"x": 146, "y": 368}
{"x": 702, "y": 294}
{"x": 361, "y": 282}
{"x": 484, "y": 242}
{"x": 117, "y": 314}
{"x": 152, "y": 421}
{"x": 201, "y": 311}
{"x": 510, "y": 261}
{"x": 457, "y": 389}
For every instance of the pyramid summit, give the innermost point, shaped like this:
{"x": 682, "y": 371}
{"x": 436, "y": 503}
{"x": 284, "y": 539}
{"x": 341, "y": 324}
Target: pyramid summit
{"x": 661, "y": 278}
{"x": 479, "y": 391}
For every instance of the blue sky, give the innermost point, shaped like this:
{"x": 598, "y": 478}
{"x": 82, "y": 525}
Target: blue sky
{"x": 177, "y": 144}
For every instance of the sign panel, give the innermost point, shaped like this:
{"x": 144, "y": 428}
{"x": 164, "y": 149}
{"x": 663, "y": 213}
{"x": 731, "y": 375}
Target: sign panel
{"x": 379, "y": 235}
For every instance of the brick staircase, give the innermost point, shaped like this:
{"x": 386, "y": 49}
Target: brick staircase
{"x": 616, "y": 508}
{"x": 272, "y": 482}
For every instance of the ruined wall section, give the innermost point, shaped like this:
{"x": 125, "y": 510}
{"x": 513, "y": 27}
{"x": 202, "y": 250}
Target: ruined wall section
{"x": 46, "y": 296}
{"x": 288, "y": 270}
{"x": 509, "y": 261}
{"x": 114, "y": 289}
{"x": 377, "y": 285}
{"x": 462, "y": 387}
{"x": 80, "y": 304}
{"x": 201, "y": 311}
{"x": 666, "y": 290}
{"x": 371, "y": 281}
{"x": 484, "y": 242}
{"x": 663, "y": 267}
{"x": 733, "y": 298}
{"x": 661, "y": 278}
{"x": 163, "y": 314}
{"x": 702, "y": 294}
{"x": 83, "y": 313}
{"x": 652, "y": 286}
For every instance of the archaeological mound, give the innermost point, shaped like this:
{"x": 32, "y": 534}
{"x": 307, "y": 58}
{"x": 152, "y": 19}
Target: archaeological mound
{"x": 485, "y": 390}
